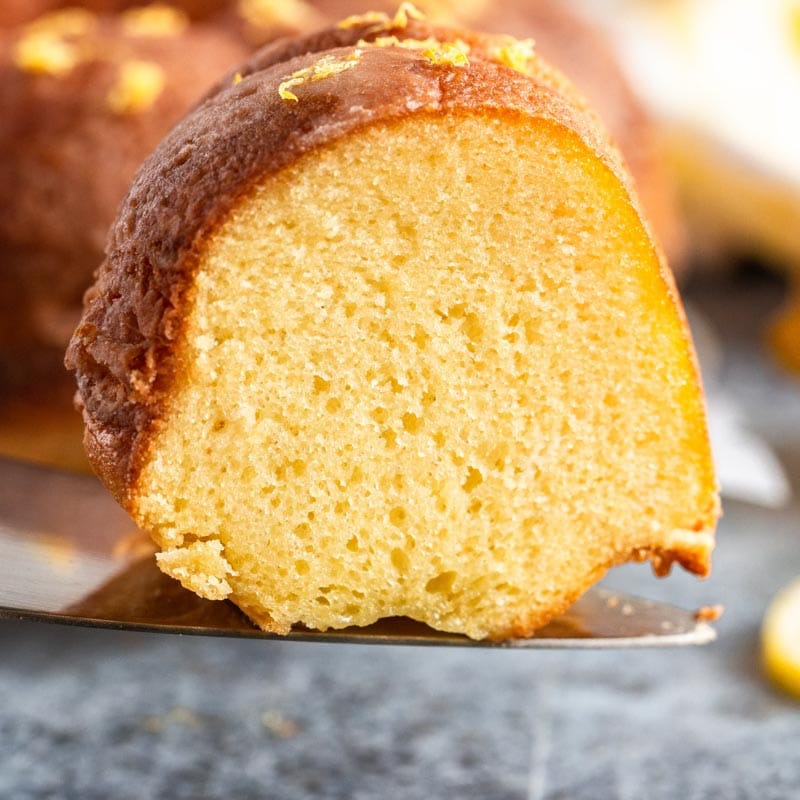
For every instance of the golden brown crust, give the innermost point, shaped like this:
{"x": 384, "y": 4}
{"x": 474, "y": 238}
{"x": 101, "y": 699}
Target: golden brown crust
{"x": 126, "y": 350}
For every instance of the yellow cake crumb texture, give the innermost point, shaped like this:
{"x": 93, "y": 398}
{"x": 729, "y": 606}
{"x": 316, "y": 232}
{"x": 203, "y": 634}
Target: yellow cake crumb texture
{"x": 138, "y": 86}
{"x": 200, "y": 567}
{"x": 325, "y": 67}
{"x": 459, "y": 406}
{"x": 156, "y": 19}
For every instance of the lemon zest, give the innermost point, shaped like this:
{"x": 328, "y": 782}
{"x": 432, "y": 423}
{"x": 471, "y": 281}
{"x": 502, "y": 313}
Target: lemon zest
{"x": 326, "y": 67}
{"x": 405, "y": 12}
{"x": 137, "y": 88}
{"x": 515, "y": 53}
{"x": 446, "y": 54}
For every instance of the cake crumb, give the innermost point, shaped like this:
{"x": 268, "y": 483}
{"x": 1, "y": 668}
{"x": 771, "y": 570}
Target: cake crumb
{"x": 139, "y": 84}
{"x": 200, "y": 567}
{"x": 709, "y": 613}
{"x": 326, "y": 67}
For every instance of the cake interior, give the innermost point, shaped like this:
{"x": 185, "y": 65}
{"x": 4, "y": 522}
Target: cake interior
{"x": 429, "y": 370}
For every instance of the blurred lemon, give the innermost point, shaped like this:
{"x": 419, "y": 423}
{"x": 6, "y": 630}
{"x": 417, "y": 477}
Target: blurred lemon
{"x": 780, "y": 640}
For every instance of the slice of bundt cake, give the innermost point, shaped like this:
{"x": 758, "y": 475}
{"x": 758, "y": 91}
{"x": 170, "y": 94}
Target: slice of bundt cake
{"x": 381, "y": 331}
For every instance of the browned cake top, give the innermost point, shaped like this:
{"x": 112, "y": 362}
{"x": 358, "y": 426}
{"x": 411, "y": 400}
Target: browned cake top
{"x": 125, "y": 350}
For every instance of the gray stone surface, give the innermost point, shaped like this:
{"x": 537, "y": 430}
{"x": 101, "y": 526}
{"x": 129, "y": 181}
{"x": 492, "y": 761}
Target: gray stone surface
{"x": 95, "y": 714}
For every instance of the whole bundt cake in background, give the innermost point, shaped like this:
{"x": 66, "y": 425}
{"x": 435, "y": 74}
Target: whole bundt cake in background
{"x": 381, "y": 331}
{"x": 85, "y": 98}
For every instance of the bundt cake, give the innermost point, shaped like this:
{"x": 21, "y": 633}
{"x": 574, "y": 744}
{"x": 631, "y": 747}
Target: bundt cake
{"x": 85, "y": 98}
{"x": 381, "y": 331}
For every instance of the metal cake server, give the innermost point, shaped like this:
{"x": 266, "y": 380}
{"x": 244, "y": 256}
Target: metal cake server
{"x": 69, "y": 554}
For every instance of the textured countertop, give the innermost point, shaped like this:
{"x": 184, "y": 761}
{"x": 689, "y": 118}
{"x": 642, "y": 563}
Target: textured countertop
{"x": 90, "y": 714}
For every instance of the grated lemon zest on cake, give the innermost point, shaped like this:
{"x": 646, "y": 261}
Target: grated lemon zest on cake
{"x": 446, "y": 54}
{"x": 326, "y": 67}
{"x": 237, "y": 78}
{"x": 405, "y": 12}
{"x": 272, "y": 13}
{"x": 156, "y": 19}
{"x": 371, "y": 17}
{"x": 43, "y": 48}
{"x": 414, "y": 44}
{"x": 139, "y": 84}
{"x": 379, "y": 20}
{"x": 46, "y": 54}
{"x": 515, "y": 53}
{"x": 443, "y": 12}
